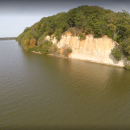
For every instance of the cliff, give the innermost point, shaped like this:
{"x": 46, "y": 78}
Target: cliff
{"x": 91, "y": 49}
{"x": 81, "y": 21}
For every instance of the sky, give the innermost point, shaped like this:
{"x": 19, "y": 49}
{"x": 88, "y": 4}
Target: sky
{"x": 16, "y": 15}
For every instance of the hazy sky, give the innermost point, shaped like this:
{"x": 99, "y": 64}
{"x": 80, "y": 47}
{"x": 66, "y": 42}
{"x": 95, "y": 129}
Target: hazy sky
{"x": 16, "y": 15}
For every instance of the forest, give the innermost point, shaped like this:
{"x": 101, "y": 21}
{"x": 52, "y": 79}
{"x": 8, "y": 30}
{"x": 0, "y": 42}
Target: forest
{"x": 80, "y": 21}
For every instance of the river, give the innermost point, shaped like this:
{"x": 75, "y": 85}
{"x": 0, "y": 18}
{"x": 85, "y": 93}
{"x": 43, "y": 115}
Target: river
{"x": 41, "y": 91}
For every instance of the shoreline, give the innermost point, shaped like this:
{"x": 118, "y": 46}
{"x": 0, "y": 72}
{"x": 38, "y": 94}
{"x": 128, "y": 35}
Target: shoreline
{"x": 98, "y": 62}
{"x": 52, "y": 55}
{"x": 36, "y": 52}
{"x": 81, "y": 59}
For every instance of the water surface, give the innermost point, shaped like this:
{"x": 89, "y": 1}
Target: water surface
{"x": 38, "y": 91}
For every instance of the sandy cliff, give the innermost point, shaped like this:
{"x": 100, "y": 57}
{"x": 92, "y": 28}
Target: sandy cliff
{"x": 91, "y": 49}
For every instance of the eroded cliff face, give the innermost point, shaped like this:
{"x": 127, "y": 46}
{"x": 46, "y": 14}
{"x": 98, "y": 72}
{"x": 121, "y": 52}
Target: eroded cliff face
{"x": 91, "y": 49}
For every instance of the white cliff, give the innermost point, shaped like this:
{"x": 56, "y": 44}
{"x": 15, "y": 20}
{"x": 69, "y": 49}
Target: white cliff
{"x": 91, "y": 49}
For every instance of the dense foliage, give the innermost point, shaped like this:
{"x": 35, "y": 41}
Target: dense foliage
{"x": 127, "y": 67}
{"x": 81, "y": 20}
{"x": 117, "y": 53}
{"x": 82, "y": 37}
{"x": 66, "y": 51}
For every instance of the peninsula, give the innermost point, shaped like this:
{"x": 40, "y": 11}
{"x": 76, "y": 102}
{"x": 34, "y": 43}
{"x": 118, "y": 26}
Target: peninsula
{"x": 87, "y": 32}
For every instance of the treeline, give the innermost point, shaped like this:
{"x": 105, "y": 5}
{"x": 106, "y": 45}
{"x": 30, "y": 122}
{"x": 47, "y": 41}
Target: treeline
{"x": 80, "y": 21}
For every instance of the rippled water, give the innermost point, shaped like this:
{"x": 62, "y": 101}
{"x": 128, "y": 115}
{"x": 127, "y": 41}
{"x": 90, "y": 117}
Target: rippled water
{"x": 38, "y": 91}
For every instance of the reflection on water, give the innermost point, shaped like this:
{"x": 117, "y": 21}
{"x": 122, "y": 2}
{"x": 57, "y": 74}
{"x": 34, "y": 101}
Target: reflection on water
{"x": 38, "y": 90}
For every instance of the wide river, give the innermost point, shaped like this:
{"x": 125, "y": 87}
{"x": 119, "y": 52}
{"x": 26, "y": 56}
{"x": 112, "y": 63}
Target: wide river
{"x": 39, "y": 91}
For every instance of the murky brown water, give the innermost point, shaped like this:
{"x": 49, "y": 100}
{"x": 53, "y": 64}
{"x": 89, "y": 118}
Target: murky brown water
{"x": 38, "y": 91}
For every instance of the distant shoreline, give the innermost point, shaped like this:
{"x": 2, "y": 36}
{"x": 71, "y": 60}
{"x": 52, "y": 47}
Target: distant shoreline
{"x": 8, "y": 38}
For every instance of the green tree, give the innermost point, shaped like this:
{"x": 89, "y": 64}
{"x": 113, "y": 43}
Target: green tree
{"x": 80, "y": 19}
{"x": 97, "y": 30}
{"x": 57, "y": 34}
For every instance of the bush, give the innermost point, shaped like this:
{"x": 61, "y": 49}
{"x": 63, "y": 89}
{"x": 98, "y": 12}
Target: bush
{"x": 29, "y": 49}
{"x": 75, "y": 31}
{"x": 66, "y": 51}
{"x": 82, "y": 37}
{"x": 127, "y": 66}
{"x": 37, "y": 48}
{"x": 41, "y": 40}
{"x": 48, "y": 43}
{"x": 54, "y": 49}
{"x": 98, "y": 33}
{"x": 44, "y": 47}
{"x": 88, "y": 31}
{"x": 72, "y": 30}
{"x": 117, "y": 53}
